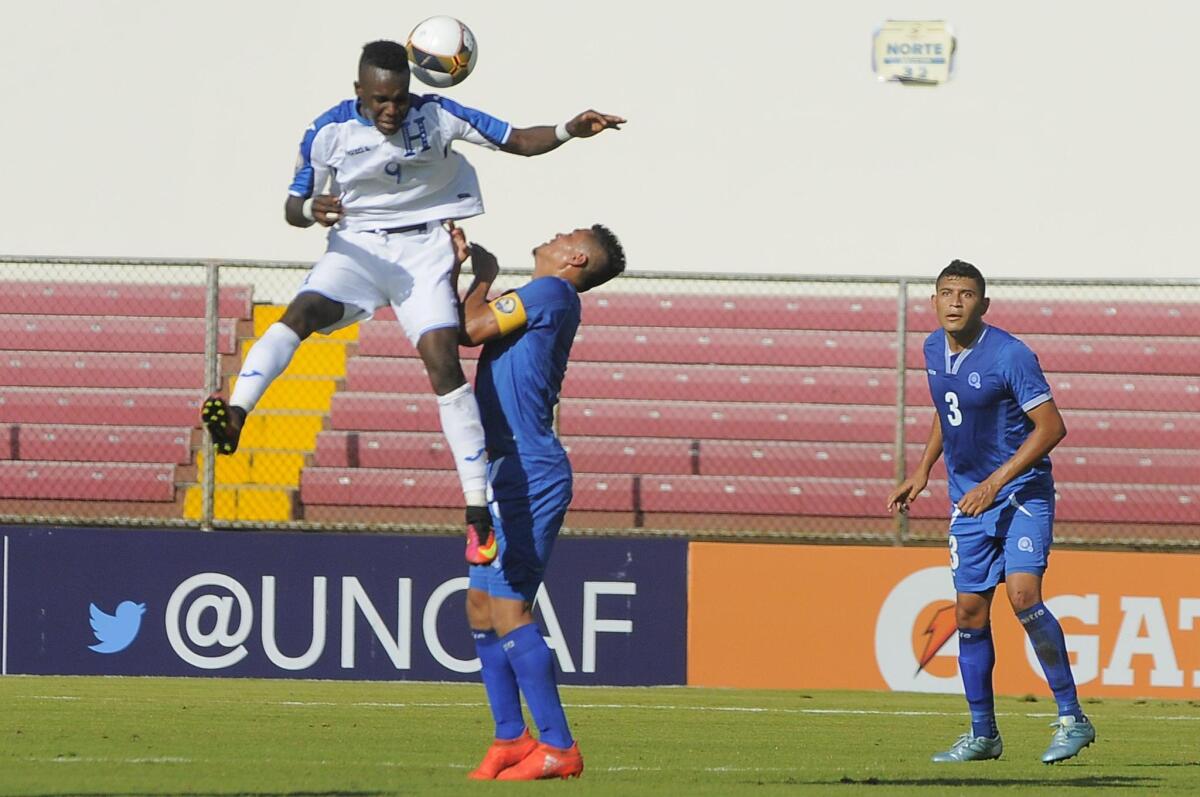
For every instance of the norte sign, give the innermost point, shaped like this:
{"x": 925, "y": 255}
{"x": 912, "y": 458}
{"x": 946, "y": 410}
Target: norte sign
{"x": 97, "y": 601}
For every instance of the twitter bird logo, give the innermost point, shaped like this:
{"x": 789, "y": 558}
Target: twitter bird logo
{"x": 116, "y": 632}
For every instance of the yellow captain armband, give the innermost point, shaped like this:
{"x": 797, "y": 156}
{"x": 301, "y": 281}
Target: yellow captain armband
{"x": 509, "y": 312}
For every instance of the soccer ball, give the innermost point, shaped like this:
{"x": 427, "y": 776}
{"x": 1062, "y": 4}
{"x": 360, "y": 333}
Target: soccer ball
{"x": 442, "y": 51}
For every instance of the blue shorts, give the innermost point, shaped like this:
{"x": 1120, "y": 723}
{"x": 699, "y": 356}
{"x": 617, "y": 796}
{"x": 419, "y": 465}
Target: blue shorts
{"x": 1013, "y": 536}
{"x": 527, "y": 514}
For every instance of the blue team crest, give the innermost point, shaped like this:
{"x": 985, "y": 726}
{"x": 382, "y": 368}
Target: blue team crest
{"x": 506, "y": 304}
{"x": 973, "y": 380}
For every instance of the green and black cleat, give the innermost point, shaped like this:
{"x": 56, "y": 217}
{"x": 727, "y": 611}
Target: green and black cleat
{"x": 224, "y": 423}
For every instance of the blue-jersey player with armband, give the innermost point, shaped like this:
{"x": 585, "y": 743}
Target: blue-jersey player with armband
{"x": 526, "y": 336}
{"x": 996, "y": 423}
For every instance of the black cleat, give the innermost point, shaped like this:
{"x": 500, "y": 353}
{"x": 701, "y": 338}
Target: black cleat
{"x": 224, "y": 423}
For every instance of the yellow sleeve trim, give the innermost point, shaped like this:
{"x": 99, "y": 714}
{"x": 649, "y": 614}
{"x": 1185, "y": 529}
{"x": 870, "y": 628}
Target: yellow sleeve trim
{"x": 509, "y": 312}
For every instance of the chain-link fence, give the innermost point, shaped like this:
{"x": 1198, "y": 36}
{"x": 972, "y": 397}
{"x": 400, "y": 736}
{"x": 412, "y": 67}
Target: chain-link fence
{"x": 729, "y": 407}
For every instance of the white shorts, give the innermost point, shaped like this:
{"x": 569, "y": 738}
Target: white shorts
{"x": 408, "y": 270}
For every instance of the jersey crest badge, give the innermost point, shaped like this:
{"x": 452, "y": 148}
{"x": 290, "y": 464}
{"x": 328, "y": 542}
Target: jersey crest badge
{"x": 973, "y": 380}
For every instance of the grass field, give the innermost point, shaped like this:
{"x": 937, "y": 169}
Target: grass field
{"x": 162, "y": 736}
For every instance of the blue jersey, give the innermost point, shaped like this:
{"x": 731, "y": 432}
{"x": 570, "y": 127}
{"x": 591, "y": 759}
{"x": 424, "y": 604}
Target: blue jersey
{"x": 520, "y": 376}
{"x": 981, "y": 396}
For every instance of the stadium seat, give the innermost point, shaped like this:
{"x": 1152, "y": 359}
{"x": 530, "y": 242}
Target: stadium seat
{"x": 1111, "y": 466}
{"x": 714, "y": 420}
{"x": 722, "y": 310}
{"x": 87, "y": 406}
{"x": 392, "y": 375}
{"x": 91, "y": 369}
{"x": 1096, "y": 503}
{"x": 405, "y": 412}
{"x": 403, "y": 488}
{"x": 413, "y": 450}
{"x": 729, "y": 383}
{"x": 1125, "y": 391}
{"x": 694, "y": 346}
{"x": 120, "y": 299}
{"x": 89, "y": 481}
{"x": 112, "y": 334}
{"x": 802, "y": 460}
{"x": 1067, "y": 317}
{"x": 1099, "y": 355}
{"x": 95, "y": 443}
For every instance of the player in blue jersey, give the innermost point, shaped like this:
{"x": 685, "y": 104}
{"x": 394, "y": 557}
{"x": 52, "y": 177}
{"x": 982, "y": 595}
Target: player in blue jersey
{"x": 526, "y": 336}
{"x": 995, "y": 423}
{"x": 380, "y": 172}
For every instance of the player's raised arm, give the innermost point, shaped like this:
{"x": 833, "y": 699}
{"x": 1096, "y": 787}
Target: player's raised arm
{"x": 483, "y": 320}
{"x": 540, "y": 140}
{"x": 1048, "y": 431}
{"x": 910, "y": 489}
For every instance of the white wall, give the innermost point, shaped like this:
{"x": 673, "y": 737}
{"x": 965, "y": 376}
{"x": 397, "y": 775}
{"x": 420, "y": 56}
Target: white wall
{"x": 758, "y": 141}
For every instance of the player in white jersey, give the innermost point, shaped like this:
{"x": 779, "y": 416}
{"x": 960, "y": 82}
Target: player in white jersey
{"x": 379, "y": 171}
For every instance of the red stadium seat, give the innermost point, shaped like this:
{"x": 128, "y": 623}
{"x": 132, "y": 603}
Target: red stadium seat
{"x": 411, "y": 450}
{"x": 1095, "y": 503}
{"x": 729, "y": 383}
{"x": 111, "y": 334}
{"x": 1099, "y": 355}
{"x": 388, "y": 487}
{"x": 406, "y": 412}
{"x": 95, "y": 443}
{"x": 1102, "y": 429}
{"x": 717, "y": 310}
{"x": 85, "y": 406}
{"x": 87, "y": 481}
{"x": 802, "y": 460}
{"x": 712, "y": 420}
{"x": 90, "y": 369}
{"x": 697, "y": 346}
{"x": 120, "y": 299}
{"x": 392, "y": 375}
{"x": 1065, "y": 317}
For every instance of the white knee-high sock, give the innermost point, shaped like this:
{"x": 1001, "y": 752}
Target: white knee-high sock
{"x": 266, "y": 360}
{"x": 464, "y": 432}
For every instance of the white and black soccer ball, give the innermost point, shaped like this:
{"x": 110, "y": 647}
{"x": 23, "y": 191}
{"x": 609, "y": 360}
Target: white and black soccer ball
{"x": 442, "y": 51}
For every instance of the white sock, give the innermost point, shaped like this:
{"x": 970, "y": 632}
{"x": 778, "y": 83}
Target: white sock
{"x": 464, "y": 432}
{"x": 266, "y": 360}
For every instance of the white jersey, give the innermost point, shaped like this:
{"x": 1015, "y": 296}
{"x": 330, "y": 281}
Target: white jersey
{"x": 408, "y": 178}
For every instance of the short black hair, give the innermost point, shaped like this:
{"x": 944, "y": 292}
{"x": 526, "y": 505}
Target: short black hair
{"x": 961, "y": 268}
{"x": 614, "y": 258}
{"x": 383, "y": 54}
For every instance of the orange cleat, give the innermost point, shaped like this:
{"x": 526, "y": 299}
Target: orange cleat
{"x": 546, "y": 762}
{"x": 503, "y": 754}
{"x": 481, "y": 540}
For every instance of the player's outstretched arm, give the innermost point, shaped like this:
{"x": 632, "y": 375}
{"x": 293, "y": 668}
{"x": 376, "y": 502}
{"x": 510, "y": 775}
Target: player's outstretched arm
{"x": 530, "y": 141}
{"x": 1048, "y": 431}
{"x": 326, "y": 210}
{"x": 910, "y": 489}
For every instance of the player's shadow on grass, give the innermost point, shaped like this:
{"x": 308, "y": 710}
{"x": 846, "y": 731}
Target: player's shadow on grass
{"x": 1085, "y": 782}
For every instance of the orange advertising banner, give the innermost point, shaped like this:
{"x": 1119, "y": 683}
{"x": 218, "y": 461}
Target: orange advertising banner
{"x": 824, "y": 617}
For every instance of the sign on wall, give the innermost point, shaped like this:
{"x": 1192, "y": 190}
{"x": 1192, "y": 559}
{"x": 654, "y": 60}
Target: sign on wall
{"x": 913, "y": 51}
{"x": 377, "y": 607}
{"x": 883, "y": 618}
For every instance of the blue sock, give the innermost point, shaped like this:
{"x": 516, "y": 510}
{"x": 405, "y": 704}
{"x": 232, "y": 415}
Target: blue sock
{"x": 976, "y": 659}
{"x": 1051, "y": 648}
{"x": 533, "y": 663}
{"x": 500, "y": 683}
